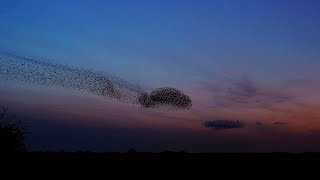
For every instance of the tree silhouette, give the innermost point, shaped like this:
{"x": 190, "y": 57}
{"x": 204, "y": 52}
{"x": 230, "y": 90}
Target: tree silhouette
{"x": 12, "y": 134}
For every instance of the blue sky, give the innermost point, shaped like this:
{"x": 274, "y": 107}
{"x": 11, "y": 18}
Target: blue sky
{"x": 153, "y": 36}
{"x": 174, "y": 43}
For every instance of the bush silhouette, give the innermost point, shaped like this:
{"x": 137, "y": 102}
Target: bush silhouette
{"x": 12, "y": 134}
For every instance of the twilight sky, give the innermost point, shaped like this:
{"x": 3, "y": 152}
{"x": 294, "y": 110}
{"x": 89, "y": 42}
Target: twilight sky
{"x": 250, "y": 67}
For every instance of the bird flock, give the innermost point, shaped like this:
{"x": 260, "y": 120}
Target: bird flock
{"x": 40, "y": 72}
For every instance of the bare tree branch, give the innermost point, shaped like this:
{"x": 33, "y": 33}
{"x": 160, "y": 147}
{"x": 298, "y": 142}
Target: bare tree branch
{"x": 13, "y": 134}
{"x": 4, "y": 110}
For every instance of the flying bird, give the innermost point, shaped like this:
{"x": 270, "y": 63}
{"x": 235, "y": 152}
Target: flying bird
{"x": 39, "y": 72}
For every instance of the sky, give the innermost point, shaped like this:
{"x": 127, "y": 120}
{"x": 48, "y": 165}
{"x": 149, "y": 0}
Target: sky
{"x": 250, "y": 68}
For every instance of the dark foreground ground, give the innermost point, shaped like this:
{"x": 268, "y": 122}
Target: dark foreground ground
{"x": 56, "y": 165}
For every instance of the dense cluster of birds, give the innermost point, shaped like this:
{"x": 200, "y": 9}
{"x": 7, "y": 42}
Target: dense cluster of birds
{"x": 40, "y": 72}
{"x": 165, "y": 97}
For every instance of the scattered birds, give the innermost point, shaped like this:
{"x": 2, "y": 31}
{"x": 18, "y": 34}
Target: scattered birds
{"x": 40, "y": 72}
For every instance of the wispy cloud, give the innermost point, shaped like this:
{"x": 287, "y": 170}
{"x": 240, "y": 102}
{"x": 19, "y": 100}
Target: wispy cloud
{"x": 223, "y": 124}
{"x": 245, "y": 92}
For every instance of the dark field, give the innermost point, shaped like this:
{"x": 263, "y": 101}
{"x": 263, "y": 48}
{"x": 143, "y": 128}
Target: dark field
{"x": 163, "y": 165}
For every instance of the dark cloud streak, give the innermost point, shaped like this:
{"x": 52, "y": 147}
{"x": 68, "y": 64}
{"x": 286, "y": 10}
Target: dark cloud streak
{"x": 279, "y": 123}
{"x": 259, "y": 124}
{"x": 223, "y": 124}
